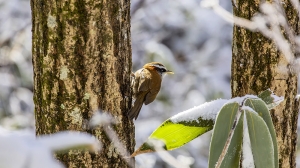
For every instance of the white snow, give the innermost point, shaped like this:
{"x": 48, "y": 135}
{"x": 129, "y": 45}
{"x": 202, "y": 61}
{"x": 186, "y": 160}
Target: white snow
{"x": 249, "y": 109}
{"x": 241, "y": 99}
{"x": 101, "y": 118}
{"x": 248, "y": 161}
{"x": 206, "y": 111}
{"x": 21, "y": 149}
{"x": 69, "y": 139}
{"x": 209, "y": 3}
{"x": 14, "y": 151}
{"x": 276, "y": 99}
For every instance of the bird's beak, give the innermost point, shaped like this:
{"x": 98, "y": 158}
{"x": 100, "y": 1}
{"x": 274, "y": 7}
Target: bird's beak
{"x": 169, "y": 72}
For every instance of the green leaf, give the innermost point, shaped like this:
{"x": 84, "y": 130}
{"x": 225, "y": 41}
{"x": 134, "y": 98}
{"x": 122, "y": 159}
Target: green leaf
{"x": 266, "y": 96}
{"x": 261, "y": 141}
{"x": 233, "y": 154}
{"x": 260, "y": 107}
{"x": 223, "y": 125}
{"x": 270, "y": 98}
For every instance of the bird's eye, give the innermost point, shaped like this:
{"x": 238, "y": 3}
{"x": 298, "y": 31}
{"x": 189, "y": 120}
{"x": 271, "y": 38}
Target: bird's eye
{"x": 162, "y": 70}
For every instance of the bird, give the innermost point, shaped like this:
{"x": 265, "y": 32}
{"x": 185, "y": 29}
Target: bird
{"x": 145, "y": 85}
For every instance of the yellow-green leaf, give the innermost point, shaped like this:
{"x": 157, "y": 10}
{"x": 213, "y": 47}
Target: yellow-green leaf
{"x": 184, "y": 127}
{"x": 174, "y": 135}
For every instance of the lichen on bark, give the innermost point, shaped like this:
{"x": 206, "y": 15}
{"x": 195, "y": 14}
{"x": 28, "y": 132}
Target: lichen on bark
{"x": 82, "y": 63}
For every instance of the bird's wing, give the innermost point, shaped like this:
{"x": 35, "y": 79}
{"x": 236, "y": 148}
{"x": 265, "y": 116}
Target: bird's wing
{"x": 136, "y": 107}
{"x": 150, "y": 97}
{"x": 154, "y": 86}
{"x": 142, "y": 82}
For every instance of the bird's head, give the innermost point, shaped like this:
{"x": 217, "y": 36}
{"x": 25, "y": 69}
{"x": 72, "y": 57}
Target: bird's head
{"x": 160, "y": 68}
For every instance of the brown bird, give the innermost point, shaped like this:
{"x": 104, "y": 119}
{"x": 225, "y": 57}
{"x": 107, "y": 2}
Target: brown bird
{"x": 146, "y": 85}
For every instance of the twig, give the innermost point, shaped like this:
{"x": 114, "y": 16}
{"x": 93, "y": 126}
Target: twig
{"x": 165, "y": 156}
{"x": 105, "y": 120}
{"x": 258, "y": 23}
{"x": 118, "y": 144}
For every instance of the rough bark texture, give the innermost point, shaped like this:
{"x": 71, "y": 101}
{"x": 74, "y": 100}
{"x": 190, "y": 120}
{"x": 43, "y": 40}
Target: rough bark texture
{"x": 255, "y": 68}
{"x": 82, "y": 63}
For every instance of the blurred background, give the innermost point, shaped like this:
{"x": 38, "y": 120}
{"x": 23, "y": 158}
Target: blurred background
{"x": 190, "y": 40}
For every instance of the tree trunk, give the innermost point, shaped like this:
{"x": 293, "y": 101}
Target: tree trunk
{"x": 256, "y": 66}
{"x": 82, "y": 63}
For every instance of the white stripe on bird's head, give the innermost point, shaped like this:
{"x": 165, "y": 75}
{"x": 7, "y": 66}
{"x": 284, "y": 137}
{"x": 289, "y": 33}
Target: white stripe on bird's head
{"x": 160, "y": 66}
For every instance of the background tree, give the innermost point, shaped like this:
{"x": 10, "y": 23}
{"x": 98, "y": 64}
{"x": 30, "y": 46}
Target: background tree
{"x": 257, "y": 65}
{"x": 82, "y": 63}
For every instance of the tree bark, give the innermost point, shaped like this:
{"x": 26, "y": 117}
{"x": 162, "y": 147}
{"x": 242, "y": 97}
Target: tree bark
{"x": 256, "y": 66}
{"x": 82, "y": 63}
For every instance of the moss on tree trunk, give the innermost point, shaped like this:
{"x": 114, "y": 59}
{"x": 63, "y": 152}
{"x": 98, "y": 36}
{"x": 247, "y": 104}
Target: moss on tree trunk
{"x": 82, "y": 63}
{"x": 256, "y": 66}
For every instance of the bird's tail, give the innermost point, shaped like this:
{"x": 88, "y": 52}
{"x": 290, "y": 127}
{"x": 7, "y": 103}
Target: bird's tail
{"x": 136, "y": 108}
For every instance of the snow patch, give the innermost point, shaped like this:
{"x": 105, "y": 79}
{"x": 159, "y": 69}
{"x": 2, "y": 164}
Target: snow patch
{"x": 248, "y": 161}
{"x": 240, "y": 100}
{"x": 206, "y": 111}
{"x": 22, "y": 149}
{"x": 69, "y": 139}
{"x": 248, "y": 109}
{"x": 276, "y": 99}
